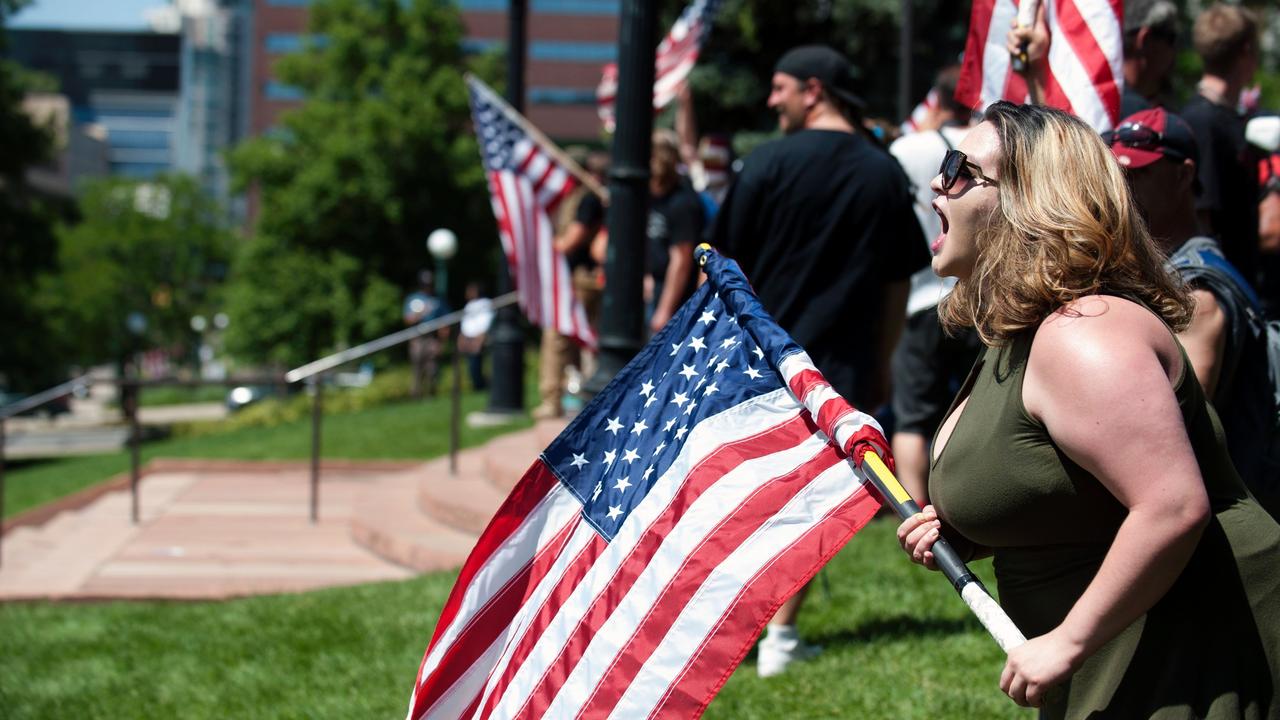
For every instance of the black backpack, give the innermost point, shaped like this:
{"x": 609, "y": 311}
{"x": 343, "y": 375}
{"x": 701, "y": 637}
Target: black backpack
{"x": 1250, "y": 378}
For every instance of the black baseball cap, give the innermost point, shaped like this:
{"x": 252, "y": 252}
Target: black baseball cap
{"x": 827, "y": 66}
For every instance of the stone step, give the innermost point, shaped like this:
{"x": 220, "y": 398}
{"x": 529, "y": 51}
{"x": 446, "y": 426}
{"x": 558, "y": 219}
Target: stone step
{"x": 466, "y": 501}
{"x": 507, "y": 458}
{"x": 386, "y": 519}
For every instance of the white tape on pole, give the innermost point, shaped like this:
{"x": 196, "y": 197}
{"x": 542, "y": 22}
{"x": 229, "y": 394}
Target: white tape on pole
{"x": 992, "y": 617}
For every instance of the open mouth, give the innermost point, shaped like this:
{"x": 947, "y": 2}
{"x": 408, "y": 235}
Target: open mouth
{"x": 942, "y": 236}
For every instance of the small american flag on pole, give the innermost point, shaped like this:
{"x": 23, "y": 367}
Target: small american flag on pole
{"x": 1084, "y": 65}
{"x": 677, "y": 54}
{"x": 636, "y": 561}
{"x": 528, "y": 179}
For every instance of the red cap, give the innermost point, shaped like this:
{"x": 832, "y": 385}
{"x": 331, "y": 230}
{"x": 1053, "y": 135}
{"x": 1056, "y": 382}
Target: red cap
{"x": 1148, "y": 135}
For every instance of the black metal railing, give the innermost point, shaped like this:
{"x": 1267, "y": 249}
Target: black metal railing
{"x": 312, "y": 373}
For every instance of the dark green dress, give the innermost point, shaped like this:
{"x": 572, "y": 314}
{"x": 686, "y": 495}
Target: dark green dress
{"x": 1210, "y": 648}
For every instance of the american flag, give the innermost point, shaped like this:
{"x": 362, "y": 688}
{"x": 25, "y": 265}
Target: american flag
{"x": 1084, "y": 72}
{"x": 526, "y": 185}
{"x": 677, "y": 54}
{"x": 638, "y": 558}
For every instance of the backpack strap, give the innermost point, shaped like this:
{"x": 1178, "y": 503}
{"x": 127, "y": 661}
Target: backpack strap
{"x": 1200, "y": 261}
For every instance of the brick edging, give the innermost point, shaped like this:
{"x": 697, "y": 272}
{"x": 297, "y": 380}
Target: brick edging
{"x": 42, "y": 514}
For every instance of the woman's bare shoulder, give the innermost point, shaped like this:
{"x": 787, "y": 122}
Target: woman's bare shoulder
{"x": 1097, "y": 345}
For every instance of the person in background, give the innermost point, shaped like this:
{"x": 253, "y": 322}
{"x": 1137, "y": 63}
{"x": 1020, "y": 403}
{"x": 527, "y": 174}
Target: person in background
{"x": 1228, "y": 353}
{"x": 1082, "y": 452}
{"x": 577, "y": 220}
{"x": 929, "y": 364}
{"x": 708, "y": 160}
{"x": 422, "y": 306}
{"x": 477, "y": 316}
{"x": 1226, "y": 38}
{"x": 1269, "y": 206}
{"x": 675, "y": 225}
{"x": 820, "y": 222}
{"x": 1150, "y": 49}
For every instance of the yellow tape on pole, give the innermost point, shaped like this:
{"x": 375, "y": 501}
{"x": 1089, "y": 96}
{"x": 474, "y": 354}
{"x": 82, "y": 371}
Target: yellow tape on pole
{"x": 890, "y": 482}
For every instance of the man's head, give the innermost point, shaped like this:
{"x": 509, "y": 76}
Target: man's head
{"x": 950, "y": 110}
{"x": 598, "y": 165}
{"x": 1226, "y": 38}
{"x": 1158, "y": 153}
{"x": 664, "y": 165}
{"x": 810, "y": 81}
{"x": 1150, "y": 44}
{"x": 426, "y": 281}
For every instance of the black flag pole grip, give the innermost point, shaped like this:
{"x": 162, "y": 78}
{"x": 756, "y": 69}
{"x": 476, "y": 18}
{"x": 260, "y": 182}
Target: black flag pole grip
{"x": 970, "y": 588}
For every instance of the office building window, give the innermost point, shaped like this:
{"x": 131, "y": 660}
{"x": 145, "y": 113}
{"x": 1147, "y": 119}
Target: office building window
{"x": 280, "y": 91}
{"x": 548, "y": 7}
{"x": 562, "y": 96}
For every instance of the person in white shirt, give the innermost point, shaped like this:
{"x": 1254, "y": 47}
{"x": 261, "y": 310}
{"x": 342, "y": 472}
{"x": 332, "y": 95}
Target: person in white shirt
{"x": 928, "y": 365}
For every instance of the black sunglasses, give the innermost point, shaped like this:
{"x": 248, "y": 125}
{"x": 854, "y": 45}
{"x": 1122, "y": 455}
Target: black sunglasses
{"x": 1134, "y": 135}
{"x": 1141, "y": 137}
{"x": 956, "y": 165}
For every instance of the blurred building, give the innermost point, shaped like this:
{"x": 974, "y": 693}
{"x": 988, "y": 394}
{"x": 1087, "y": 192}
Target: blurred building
{"x": 569, "y": 41}
{"x": 80, "y": 149}
{"x": 213, "y": 107}
{"x": 124, "y": 82}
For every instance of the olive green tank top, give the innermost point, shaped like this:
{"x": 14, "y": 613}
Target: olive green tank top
{"x": 1209, "y": 648}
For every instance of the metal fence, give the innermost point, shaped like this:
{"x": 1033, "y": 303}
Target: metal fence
{"x": 312, "y": 373}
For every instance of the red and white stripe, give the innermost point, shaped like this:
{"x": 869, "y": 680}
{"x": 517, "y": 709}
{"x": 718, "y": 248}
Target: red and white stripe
{"x": 523, "y": 201}
{"x": 676, "y": 56}
{"x": 1083, "y": 75}
{"x": 550, "y": 620}
{"x": 854, "y": 431}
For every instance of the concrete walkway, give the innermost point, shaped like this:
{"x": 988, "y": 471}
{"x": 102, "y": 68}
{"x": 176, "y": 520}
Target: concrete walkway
{"x": 217, "y": 529}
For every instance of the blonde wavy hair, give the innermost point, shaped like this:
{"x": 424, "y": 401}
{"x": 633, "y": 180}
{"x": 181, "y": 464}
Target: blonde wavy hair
{"x": 1066, "y": 227}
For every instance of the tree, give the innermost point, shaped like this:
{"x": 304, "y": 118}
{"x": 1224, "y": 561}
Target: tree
{"x": 30, "y": 355}
{"x": 380, "y": 154}
{"x": 158, "y": 248}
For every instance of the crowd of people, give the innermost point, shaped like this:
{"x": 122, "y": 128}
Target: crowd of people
{"x": 1078, "y": 320}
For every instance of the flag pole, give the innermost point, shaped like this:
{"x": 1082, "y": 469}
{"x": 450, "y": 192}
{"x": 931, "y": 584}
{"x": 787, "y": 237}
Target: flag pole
{"x": 545, "y": 142}
{"x": 970, "y": 588}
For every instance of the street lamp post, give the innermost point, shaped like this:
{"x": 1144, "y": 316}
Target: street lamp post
{"x": 506, "y": 397}
{"x": 443, "y": 245}
{"x": 622, "y": 312}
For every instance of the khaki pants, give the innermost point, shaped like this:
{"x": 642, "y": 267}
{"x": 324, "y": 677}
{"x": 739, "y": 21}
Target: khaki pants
{"x": 559, "y": 351}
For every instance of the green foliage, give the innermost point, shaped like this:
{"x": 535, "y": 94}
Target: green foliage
{"x": 30, "y": 355}
{"x": 157, "y": 248}
{"x": 289, "y": 305}
{"x": 899, "y": 644}
{"x": 380, "y": 154}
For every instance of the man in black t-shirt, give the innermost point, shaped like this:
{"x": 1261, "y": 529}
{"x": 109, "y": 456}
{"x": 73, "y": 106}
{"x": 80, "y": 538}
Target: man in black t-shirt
{"x": 674, "y": 227}
{"x": 1226, "y": 38}
{"x": 822, "y": 224}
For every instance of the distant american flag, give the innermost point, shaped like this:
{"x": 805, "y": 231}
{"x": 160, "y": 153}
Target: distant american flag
{"x": 1085, "y": 54}
{"x": 634, "y": 564}
{"x": 677, "y": 54}
{"x": 526, "y": 184}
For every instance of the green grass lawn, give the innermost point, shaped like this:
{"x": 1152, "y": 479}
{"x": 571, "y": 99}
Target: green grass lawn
{"x": 398, "y": 430}
{"x": 899, "y": 643}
